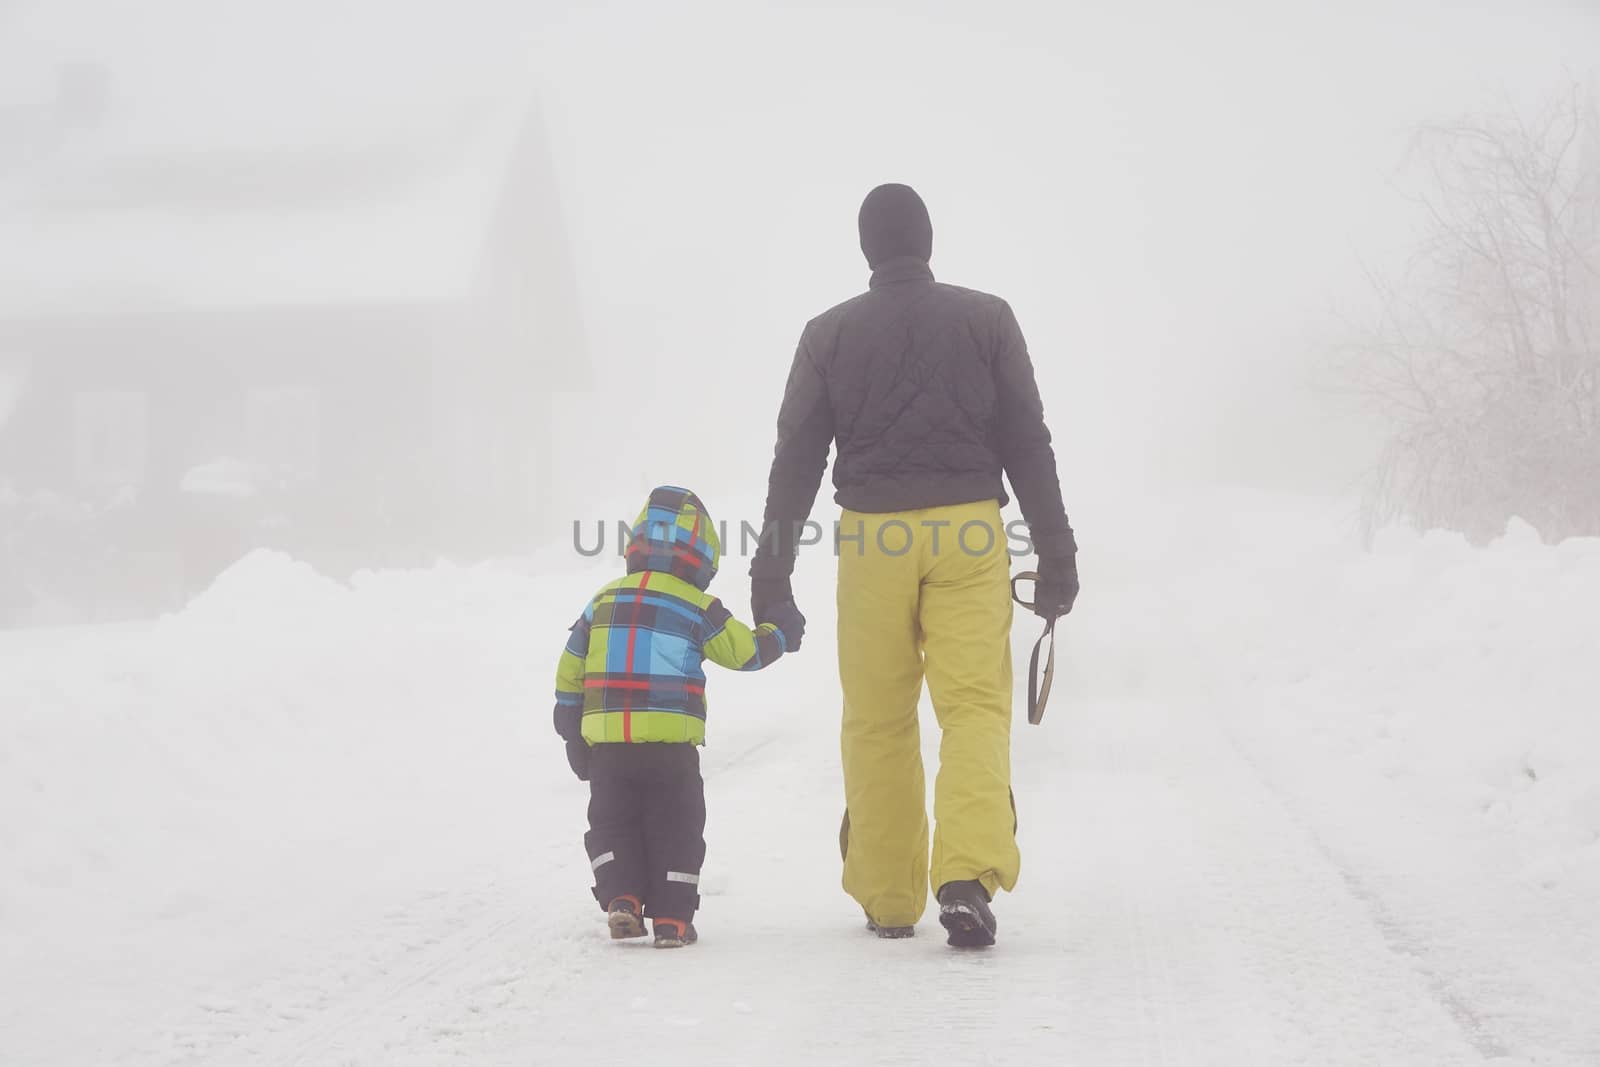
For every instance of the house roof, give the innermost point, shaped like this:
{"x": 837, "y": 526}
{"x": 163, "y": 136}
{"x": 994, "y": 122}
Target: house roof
{"x": 213, "y": 156}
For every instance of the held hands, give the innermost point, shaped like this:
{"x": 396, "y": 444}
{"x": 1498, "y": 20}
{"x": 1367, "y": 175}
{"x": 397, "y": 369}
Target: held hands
{"x": 766, "y": 594}
{"x": 787, "y": 618}
{"x": 772, "y": 600}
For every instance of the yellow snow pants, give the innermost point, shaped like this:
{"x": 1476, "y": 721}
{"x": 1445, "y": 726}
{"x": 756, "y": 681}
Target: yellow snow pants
{"x": 925, "y": 594}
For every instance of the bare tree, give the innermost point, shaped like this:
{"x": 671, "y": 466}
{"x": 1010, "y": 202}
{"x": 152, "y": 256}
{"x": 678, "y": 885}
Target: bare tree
{"x": 1484, "y": 361}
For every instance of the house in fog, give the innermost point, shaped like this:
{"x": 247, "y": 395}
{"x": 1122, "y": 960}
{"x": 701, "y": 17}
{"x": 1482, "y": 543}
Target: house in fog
{"x": 347, "y": 341}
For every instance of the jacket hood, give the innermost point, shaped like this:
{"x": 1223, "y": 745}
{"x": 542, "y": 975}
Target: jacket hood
{"x": 894, "y": 224}
{"x": 674, "y": 534}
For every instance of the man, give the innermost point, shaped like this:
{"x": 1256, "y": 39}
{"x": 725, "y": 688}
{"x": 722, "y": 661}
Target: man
{"x": 928, "y": 392}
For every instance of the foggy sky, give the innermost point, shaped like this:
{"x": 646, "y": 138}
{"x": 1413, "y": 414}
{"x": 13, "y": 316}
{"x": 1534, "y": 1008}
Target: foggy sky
{"x": 1177, "y": 199}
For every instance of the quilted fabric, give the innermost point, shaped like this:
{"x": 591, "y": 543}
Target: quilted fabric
{"x": 928, "y": 393}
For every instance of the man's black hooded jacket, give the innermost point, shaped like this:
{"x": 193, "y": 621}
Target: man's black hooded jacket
{"x": 928, "y": 391}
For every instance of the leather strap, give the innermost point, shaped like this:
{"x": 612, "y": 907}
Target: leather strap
{"x": 1038, "y": 685}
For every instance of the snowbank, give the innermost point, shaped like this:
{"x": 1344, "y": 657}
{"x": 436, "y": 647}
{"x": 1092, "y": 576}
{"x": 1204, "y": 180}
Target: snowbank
{"x": 286, "y": 745}
{"x": 1466, "y": 678}
{"x": 1426, "y": 709}
{"x": 1466, "y": 681}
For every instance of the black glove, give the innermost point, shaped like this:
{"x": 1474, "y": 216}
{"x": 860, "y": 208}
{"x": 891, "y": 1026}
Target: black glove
{"x": 578, "y": 758}
{"x": 766, "y": 594}
{"x": 786, "y": 617}
{"x": 1057, "y": 586}
{"x": 569, "y": 722}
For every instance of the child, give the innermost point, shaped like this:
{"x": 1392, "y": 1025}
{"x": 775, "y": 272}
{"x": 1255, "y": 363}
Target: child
{"x": 630, "y": 704}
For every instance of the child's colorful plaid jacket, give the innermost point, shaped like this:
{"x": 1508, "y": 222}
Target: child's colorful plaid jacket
{"x": 631, "y": 671}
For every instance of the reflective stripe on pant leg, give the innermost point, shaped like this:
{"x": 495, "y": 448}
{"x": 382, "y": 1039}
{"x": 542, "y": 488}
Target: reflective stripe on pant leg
{"x": 675, "y": 823}
{"x": 614, "y": 843}
{"x": 880, "y": 673}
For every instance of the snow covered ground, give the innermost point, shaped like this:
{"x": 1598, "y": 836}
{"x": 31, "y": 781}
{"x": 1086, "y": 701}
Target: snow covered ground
{"x": 1293, "y": 803}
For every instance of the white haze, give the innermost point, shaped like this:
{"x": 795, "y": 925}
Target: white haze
{"x": 1297, "y": 800}
{"x": 1177, "y": 199}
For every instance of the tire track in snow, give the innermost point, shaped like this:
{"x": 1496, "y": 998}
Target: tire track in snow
{"x": 325, "y": 1012}
{"x": 1169, "y": 915}
{"x": 1401, "y": 943}
{"x": 1248, "y": 946}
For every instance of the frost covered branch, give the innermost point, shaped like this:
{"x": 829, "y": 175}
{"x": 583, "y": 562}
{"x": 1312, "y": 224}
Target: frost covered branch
{"x": 1482, "y": 362}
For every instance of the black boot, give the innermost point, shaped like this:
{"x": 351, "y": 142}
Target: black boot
{"x": 964, "y": 912}
{"x": 890, "y": 933}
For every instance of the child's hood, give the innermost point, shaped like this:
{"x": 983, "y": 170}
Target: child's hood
{"x": 674, "y": 534}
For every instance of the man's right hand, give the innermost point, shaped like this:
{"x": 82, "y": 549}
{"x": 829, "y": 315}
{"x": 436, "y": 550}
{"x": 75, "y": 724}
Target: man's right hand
{"x": 787, "y": 618}
{"x": 1057, "y": 587}
{"x": 766, "y": 594}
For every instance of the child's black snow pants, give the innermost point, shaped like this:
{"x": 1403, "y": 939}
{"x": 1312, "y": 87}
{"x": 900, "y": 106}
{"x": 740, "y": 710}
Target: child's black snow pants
{"x": 647, "y": 821}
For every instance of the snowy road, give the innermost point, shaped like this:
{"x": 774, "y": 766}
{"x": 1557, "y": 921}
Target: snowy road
{"x": 1149, "y": 931}
{"x": 1173, "y": 913}
{"x": 304, "y": 824}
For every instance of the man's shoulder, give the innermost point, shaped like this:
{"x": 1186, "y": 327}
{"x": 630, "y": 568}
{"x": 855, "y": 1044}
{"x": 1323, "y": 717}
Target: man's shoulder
{"x": 975, "y": 297}
{"x": 944, "y": 292}
{"x": 838, "y": 313}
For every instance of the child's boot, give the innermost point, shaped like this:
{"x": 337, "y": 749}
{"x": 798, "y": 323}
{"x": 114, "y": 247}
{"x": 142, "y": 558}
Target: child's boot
{"x": 675, "y": 933}
{"x": 625, "y": 918}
